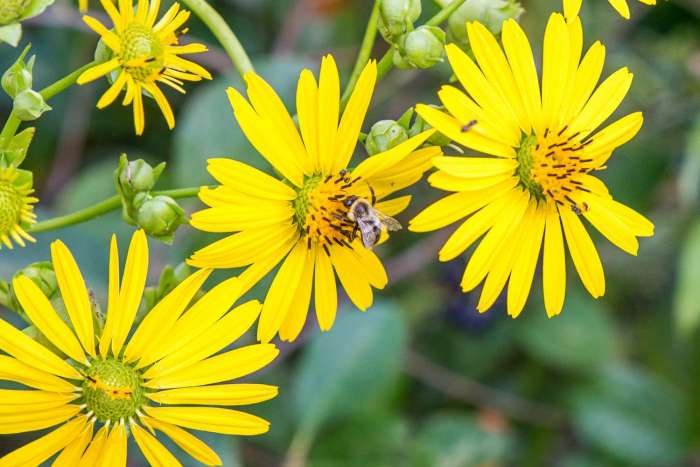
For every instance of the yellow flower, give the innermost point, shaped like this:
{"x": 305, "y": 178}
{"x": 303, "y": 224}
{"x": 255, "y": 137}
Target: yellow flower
{"x": 572, "y": 7}
{"x": 540, "y": 176}
{"x": 143, "y": 54}
{"x": 304, "y": 217}
{"x": 16, "y": 206}
{"x": 160, "y": 378}
{"x": 83, "y": 5}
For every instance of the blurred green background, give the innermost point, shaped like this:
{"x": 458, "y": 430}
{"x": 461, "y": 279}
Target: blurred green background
{"x": 422, "y": 379}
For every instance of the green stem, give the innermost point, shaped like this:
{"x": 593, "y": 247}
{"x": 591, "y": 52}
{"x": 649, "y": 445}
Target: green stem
{"x": 223, "y": 34}
{"x": 13, "y": 123}
{"x": 363, "y": 55}
{"x": 387, "y": 63}
{"x": 103, "y": 207}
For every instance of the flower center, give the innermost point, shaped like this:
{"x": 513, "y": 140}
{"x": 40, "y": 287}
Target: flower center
{"x": 11, "y": 203}
{"x": 321, "y": 208}
{"x": 112, "y": 389}
{"x": 141, "y": 52}
{"x": 11, "y": 10}
{"x": 550, "y": 166}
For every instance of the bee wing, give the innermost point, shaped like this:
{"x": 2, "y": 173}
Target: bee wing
{"x": 388, "y": 222}
{"x": 370, "y": 233}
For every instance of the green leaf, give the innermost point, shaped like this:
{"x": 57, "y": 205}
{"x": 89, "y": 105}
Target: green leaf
{"x": 631, "y": 416}
{"x": 582, "y": 338}
{"x": 451, "y": 440}
{"x": 348, "y": 368}
{"x": 686, "y": 306}
{"x": 207, "y": 128}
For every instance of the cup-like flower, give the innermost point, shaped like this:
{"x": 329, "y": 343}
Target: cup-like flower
{"x": 144, "y": 53}
{"x": 163, "y": 377}
{"x": 16, "y": 206}
{"x": 545, "y": 150}
{"x": 572, "y": 7}
{"x": 304, "y": 221}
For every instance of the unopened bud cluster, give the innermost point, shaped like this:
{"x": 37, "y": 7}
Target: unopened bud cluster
{"x": 387, "y": 134}
{"x": 17, "y": 82}
{"x": 490, "y": 13}
{"x": 13, "y": 12}
{"x": 158, "y": 215}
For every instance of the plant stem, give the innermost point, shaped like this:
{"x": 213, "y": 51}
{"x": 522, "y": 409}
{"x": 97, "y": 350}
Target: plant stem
{"x": 13, "y": 123}
{"x": 387, "y": 63}
{"x": 103, "y": 207}
{"x": 223, "y": 34}
{"x": 363, "y": 54}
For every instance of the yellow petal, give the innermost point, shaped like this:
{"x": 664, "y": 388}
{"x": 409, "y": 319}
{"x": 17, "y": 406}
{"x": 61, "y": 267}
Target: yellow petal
{"x": 526, "y": 260}
{"x": 266, "y": 263}
{"x": 74, "y": 293}
{"x": 354, "y": 116}
{"x": 555, "y": 69}
{"x": 40, "y": 450}
{"x": 19, "y": 372}
{"x": 612, "y": 227}
{"x": 583, "y": 253}
{"x": 113, "y": 297}
{"x": 571, "y": 8}
{"x": 98, "y": 71}
{"x": 223, "y": 367}
{"x": 224, "y": 421}
{"x": 621, "y": 7}
{"x": 356, "y": 285}
{"x": 155, "y": 453}
{"x": 188, "y": 442}
{"x": 221, "y": 394}
{"x": 307, "y": 112}
{"x": 293, "y": 322}
{"x": 94, "y": 450}
{"x": 475, "y": 167}
{"x": 377, "y": 165}
{"x": 553, "y": 263}
{"x": 611, "y": 137}
{"x": 114, "y": 450}
{"x": 371, "y": 266}
{"x": 445, "y": 181}
{"x": 27, "y": 350}
{"x": 249, "y": 180}
{"x": 108, "y": 37}
{"x": 42, "y": 314}
{"x": 13, "y": 399}
{"x": 32, "y": 421}
{"x": 392, "y": 207}
{"x": 133, "y": 283}
{"x": 71, "y": 454}
{"x": 111, "y": 94}
{"x": 328, "y": 108}
{"x": 325, "y": 291}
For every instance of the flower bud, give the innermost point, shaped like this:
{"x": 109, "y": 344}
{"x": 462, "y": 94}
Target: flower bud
{"x": 18, "y": 77}
{"x": 159, "y": 216}
{"x": 132, "y": 177}
{"x": 14, "y": 11}
{"x": 384, "y": 135}
{"x": 421, "y": 48}
{"x": 396, "y": 18}
{"x": 420, "y": 125}
{"x": 5, "y": 295}
{"x": 43, "y": 275}
{"x": 29, "y": 105}
{"x": 169, "y": 279}
{"x": 491, "y": 13}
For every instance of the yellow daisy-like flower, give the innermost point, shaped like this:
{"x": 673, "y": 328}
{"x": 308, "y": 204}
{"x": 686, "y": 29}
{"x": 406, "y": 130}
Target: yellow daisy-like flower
{"x": 572, "y": 7}
{"x": 302, "y": 221}
{"x": 144, "y": 53}
{"x": 162, "y": 378}
{"x": 545, "y": 149}
{"x": 16, "y": 207}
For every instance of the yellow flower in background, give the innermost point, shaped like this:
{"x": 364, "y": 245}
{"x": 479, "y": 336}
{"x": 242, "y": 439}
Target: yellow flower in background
{"x": 162, "y": 378}
{"x": 16, "y": 206}
{"x": 572, "y": 7}
{"x": 144, "y": 53}
{"x": 83, "y": 5}
{"x": 302, "y": 221}
{"x": 539, "y": 177}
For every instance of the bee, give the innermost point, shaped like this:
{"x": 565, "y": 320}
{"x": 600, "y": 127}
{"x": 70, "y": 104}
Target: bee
{"x": 368, "y": 220}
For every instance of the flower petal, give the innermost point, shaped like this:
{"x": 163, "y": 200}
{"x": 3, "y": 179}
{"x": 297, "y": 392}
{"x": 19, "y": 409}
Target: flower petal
{"x": 41, "y": 449}
{"x": 221, "y": 394}
{"x": 212, "y": 419}
{"x": 187, "y": 442}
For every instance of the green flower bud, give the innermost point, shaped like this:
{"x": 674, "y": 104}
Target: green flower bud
{"x": 132, "y": 177}
{"x": 29, "y": 105}
{"x": 159, "y": 216}
{"x": 43, "y": 275}
{"x": 18, "y": 77}
{"x": 169, "y": 279}
{"x": 420, "y": 125}
{"x": 396, "y": 17}
{"x": 384, "y": 135}
{"x": 13, "y": 149}
{"x": 491, "y": 13}
{"x": 5, "y": 295}
{"x": 421, "y": 48}
{"x": 14, "y": 11}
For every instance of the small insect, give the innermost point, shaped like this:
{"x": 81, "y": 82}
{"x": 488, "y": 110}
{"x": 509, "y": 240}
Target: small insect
{"x": 469, "y": 126}
{"x": 368, "y": 220}
{"x": 579, "y": 210}
{"x": 115, "y": 393}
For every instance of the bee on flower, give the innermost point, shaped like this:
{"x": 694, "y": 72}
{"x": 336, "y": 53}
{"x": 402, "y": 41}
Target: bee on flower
{"x": 164, "y": 377}
{"x": 322, "y": 219}
{"x": 142, "y": 54}
{"x": 536, "y": 179}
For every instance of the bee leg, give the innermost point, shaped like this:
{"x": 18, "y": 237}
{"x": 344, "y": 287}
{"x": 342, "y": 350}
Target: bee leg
{"x": 354, "y": 232}
{"x": 349, "y": 200}
{"x": 374, "y": 195}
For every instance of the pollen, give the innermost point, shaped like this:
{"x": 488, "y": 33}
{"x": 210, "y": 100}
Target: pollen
{"x": 550, "y": 166}
{"x": 112, "y": 389}
{"x": 321, "y": 208}
{"x": 142, "y": 52}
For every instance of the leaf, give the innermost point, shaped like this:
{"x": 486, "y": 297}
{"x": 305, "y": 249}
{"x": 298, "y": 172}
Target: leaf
{"x": 631, "y": 416}
{"x": 348, "y": 368}
{"x": 207, "y": 128}
{"x": 686, "y": 306}
{"x": 451, "y": 440}
{"x": 582, "y": 338}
